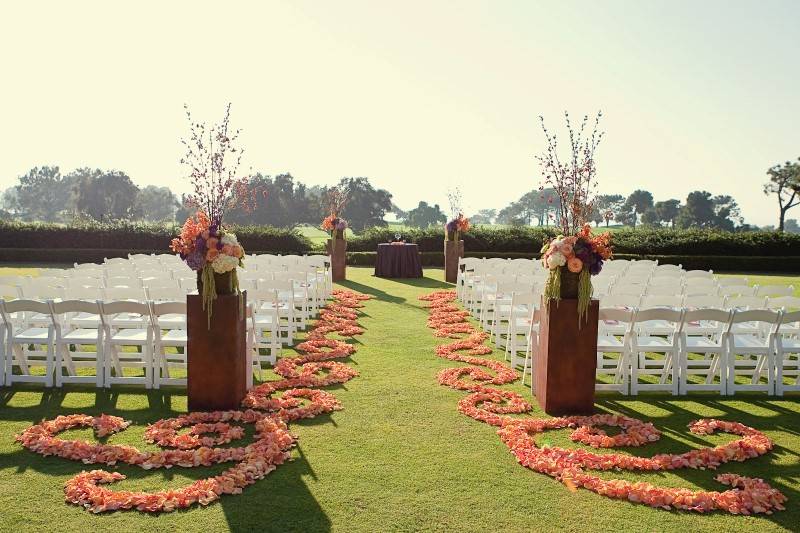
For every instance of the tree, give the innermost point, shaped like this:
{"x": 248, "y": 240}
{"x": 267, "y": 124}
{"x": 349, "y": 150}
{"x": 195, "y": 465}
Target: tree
{"x": 639, "y": 201}
{"x": 650, "y": 218}
{"x": 606, "y": 206}
{"x": 424, "y": 216}
{"x": 791, "y": 226}
{"x": 157, "y": 204}
{"x": 667, "y": 211}
{"x": 784, "y": 183}
{"x": 484, "y": 216}
{"x": 366, "y": 205}
{"x": 106, "y": 196}
{"x": 279, "y": 202}
{"x": 704, "y": 211}
{"x": 43, "y": 194}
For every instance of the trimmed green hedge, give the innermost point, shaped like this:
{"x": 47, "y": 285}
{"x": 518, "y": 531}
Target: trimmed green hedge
{"x": 637, "y": 242}
{"x": 129, "y": 236}
{"x": 689, "y": 262}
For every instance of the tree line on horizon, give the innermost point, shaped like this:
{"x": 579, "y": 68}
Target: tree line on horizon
{"x": 85, "y": 194}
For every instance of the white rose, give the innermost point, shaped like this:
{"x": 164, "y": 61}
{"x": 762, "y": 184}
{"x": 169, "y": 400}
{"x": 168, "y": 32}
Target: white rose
{"x": 229, "y": 238}
{"x": 556, "y": 260}
{"x": 224, "y": 263}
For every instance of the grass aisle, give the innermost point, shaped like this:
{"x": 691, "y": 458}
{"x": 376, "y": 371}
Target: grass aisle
{"x": 399, "y": 457}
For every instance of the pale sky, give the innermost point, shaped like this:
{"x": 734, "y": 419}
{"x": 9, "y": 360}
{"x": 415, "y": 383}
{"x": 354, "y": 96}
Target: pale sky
{"x": 419, "y": 96}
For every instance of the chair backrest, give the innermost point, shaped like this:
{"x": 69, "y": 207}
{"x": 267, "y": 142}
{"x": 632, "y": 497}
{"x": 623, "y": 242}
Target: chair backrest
{"x": 156, "y": 274}
{"x": 61, "y": 311}
{"x": 84, "y": 282}
{"x": 91, "y": 294}
{"x": 737, "y": 290}
{"x": 719, "y": 317}
{"x": 9, "y": 292}
{"x": 45, "y": 281}
{"x": 765, "y": 316}
{"x": 87, "y": 266}
{"x": 701, "y": 281}
{"x": 732, "y": 280}
{"x": 123, "y": 306}
{"x": 115, "y": 261}
{"x": 666, "y": 280}
{"x": 124, "y": 293}
{"x": 625, "y": 288}
{"x": 787, "y": 303}
{"x": 166, "y": 294}
{"x": 35, "y": 291}
{"x": 160, "y": 283}
{"x": 620, "y": 300}
{"x": 664, "y": 290}
{"x": 614, "y": 316}
{"x": 644, "y": 317}
{"x": 166, "y": 308}
{"x": 669, "y": 301}
{"x": 123, "y": 281}
{"x": 775, "y": 290}
{"x": 25, "y": 306}
{"x": 13, "y": 280}
{"x": 527, "y": 298}
{"x": 660, "y": 269}
{"x": 704, "y": 301}
{"x": 278, "y": 285}
{"x": 746, "y": 302}
{"x": 699, "y": 274}
{"x": 792, "y": 318}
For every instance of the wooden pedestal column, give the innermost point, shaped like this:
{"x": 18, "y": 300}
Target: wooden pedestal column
{"x": 453, "y": 251}
{"x": 217, "y": 357}
{"x": 337, "y": 249}
{"x": 567, "y": 359}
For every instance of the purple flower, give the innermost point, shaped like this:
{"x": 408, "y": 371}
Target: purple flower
{"x": 196, "y": 260}
{"x": 342, "y": 224}
{"x": 200, "y": 245}
{"x": 596, "y": 267}
{"x": 451, "y": 226}
{"x": 213, "y": 230}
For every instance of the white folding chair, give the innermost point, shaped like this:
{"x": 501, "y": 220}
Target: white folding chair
{"x": 70, "y": 339}
{"x": 655, "y": 349}
{"x": 787, "y": 356}
{"x": 750, "y": 353}
{"x": 774, "y": 290}
{"x": 28, "y": 347}
{"x": 266, "y": 326}
{"x": 613, "y": 371}
{"x": 725, "y": 281}
{"x": 736, "y": 290}
{"x": 170, "y": 342}
{"x": 520, "y": 319}
{"x": 126, "y": 324}
{"x": 703, "y": 350}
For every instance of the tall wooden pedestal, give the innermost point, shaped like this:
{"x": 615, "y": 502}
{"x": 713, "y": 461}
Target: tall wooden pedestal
{"x": 567, "y": 359}
{"x": 453, "y": 251}
{"x": 217, "y": 357}
{"x": 337, "y": 249}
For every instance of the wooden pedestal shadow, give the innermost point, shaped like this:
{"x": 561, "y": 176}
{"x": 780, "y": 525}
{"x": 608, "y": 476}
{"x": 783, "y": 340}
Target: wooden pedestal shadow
{"x": 567, "y": 358}
{"x": 217, "y": 356}
{"x": 337, "y": 249}
{"x": 453, "y": 251}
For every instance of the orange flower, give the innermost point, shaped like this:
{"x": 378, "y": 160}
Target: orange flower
{"x": 238, "y": 252}
{"x": 227, "y": 249}
{"x": 212, "y": 254}
{"x": 575, "y": 265}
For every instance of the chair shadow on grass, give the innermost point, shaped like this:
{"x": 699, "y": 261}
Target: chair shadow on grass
{"x": 673, "y": 426}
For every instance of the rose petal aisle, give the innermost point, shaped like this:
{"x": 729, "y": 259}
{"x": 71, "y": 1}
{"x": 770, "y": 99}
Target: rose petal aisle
{"x": 493, "y": 406}
{"x": 269, "y": 415}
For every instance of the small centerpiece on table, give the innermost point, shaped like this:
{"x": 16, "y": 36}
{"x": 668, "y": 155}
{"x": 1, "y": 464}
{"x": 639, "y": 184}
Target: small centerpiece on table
{"x": 337, "y": 227}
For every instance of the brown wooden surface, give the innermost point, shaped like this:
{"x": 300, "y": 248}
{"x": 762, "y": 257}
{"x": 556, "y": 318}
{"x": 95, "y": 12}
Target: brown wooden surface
{"x": 567, "y": 359}
{"x": 453, "y": 251}
{"x": 217, "y": 358}
{"x": 337, "y": 249}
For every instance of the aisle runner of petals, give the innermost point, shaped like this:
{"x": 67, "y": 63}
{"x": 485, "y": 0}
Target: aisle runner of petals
{"x": 492, "y": 406}
{"x": 268, "y": 415}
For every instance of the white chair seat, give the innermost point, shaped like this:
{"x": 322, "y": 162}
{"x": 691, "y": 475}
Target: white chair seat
{"x": 609, "y": 343}
{"x": 128, "y": 320}
{"x": 81, "y": 334}
{"x": 703, "y": 344}
{"x": 751, "y": 343}
{"x": 33, "y": 335}
{"x": 133, "y": 336}
{"x": 174, "y": 337}
{"x": 86, "y": 320}
{"x": 644, "y": 344}
{"x": 172, "y": 321}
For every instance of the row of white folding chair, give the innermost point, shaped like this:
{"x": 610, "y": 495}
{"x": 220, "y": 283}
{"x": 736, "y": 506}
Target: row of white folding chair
{"x": 150, "y": 327}
{"x": 700, "y": 301}
{"x": 106, "y": 293}
{"x": 763, "y": 357}
{"x": 481, "y": 295}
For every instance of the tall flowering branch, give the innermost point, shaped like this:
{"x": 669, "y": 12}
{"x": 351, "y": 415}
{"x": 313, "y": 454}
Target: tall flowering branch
{"x": 337, "y": 199}
{"x": 213, "y": 161}
{"x": 454, "y": 198}
{"x": 575, "y": 179}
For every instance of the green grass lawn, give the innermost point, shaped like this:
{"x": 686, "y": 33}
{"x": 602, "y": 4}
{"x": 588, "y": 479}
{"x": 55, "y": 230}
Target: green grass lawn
{"x": 399, "y": 457}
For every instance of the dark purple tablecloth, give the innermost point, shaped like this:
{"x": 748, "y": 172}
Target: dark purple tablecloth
{"x": 398, "y": 261}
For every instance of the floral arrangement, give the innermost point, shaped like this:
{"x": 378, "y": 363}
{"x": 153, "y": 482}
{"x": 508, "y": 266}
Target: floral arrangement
{"x": 496, "y": 407}
{"x": 334, "y": 225}
{"x": 458, "y": 225}
{"x": 582, "y": 255}
{"x": 208, "y": 250}
{"x": 213, "y": 159}
{"x": 200, "y": 446}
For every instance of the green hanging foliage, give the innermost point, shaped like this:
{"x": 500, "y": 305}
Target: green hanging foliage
{"x": 584, "y": 294}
